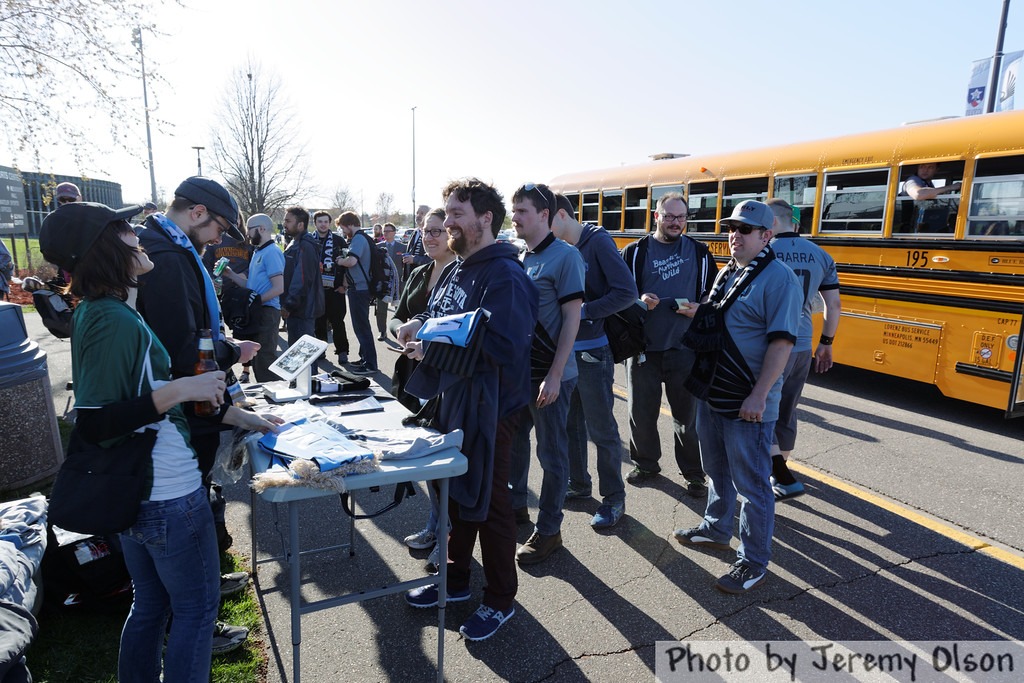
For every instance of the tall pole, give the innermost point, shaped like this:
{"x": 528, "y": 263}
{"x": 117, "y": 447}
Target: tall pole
{"x": 414, "y": 162}
{"x": 199, "y": 159}
{"x": 137, "y": 40}
{"x": 997, "y": 60}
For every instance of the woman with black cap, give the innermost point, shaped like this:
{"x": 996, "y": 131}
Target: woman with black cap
{"x": 122, "y": 384}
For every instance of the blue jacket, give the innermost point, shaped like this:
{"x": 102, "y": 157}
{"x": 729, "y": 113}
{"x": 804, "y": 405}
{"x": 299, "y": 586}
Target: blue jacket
{"x": 492, "y": 279}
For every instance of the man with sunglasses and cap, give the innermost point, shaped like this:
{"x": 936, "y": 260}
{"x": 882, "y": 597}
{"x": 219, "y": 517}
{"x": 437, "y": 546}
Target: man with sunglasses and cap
{"x": 67, "y": 193}
{"x": 177, "y": 299}
{"x": 742, "y": 335}
{"x": 673, "y": 272}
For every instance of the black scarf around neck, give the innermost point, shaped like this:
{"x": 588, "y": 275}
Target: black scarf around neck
{"x": 708, "y": 336}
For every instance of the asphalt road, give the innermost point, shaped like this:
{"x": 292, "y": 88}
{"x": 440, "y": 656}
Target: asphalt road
{"x": 911, "y": 530}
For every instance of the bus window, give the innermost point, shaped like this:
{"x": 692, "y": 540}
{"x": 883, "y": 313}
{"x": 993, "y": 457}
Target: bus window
{"x": 591, "y": 207}
{"x": 659, "y": 192}
{"x": 799, "y": 191}
{"x": 935, "y": 215}
{"x": 703, "y": 202}
{"x": 854, "y": 201}
{"x": 997, "y": 198}
{"x": 611, "y": 210}
{"x": 736, "y": 191}
{"x": 636, "y": 209}
{"x": 574, "y": 199}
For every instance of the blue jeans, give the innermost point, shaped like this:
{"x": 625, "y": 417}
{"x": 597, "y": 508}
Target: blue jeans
{"x": 297, "y": 327}
{"x": 171, "y": 553}
{"x": 552, "y": 452}
{"x": 737, "y": 461}
{"x": 643, "y": 384}
{"x": 359, "y": 315}
{"x": 591, "y": 412}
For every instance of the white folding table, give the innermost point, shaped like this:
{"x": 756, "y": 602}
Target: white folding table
{"x": 437, "y": 467}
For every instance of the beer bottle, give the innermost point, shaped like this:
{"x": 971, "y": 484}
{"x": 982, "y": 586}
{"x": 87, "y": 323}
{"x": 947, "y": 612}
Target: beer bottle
{"x": 206, "y": 363}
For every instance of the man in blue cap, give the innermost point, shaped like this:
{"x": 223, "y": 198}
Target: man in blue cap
{"x": 742, "y": 336}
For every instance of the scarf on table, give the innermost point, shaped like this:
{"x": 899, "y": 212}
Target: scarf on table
{"x": 720, "y": 375}
{"x": 179, "y": 237}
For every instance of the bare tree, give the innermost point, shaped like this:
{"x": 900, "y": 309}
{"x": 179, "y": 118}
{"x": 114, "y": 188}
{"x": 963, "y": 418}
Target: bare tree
{"x": 256, "y": 142}
{"x": 343, "y": 199}
{"x": 385, "y": 201}
{"x": 63, "y": 56}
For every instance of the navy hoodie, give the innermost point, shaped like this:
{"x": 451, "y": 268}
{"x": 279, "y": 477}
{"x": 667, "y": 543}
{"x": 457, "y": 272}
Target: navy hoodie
{"x": 492, "y": 279}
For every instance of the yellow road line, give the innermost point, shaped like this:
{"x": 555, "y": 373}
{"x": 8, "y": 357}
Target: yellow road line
{"x": 973, "y": 542}
{"x": 1011, "y": 558}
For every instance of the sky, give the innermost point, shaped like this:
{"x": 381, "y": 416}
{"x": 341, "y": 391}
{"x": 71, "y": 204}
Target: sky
{"x": 526, "y": 91}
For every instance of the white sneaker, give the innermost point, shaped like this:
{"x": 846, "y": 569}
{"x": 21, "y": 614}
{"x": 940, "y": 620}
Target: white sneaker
{"x": 421, "y": 540}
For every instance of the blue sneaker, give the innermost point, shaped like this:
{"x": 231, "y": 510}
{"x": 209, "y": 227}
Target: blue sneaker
{"x": 608, "y": 515}
{"x": 740, "y": 579}
{"x": 787, "y": 491}
{"x": 427, "y": 596}
{"x": 485, "y": 622}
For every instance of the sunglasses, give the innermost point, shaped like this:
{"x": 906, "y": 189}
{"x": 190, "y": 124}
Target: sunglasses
{"x": 66, "y": 200}
{"x": 743, "y": 228}
{"x": 532, "y": 187}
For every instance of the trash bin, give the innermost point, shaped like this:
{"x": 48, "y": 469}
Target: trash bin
{"x": 30, "y": 448}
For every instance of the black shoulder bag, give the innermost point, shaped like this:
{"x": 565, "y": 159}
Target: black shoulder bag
{"x": 98, "y": 490}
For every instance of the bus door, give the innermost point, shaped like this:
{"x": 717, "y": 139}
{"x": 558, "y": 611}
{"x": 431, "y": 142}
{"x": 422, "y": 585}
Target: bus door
{"x": 1015, "y": 408}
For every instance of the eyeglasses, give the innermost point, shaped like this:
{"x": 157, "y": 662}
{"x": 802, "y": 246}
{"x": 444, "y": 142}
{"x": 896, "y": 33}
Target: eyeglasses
{"x": 433, "y": 232}
{"x": 66, "y": 200}
{"x": 221, "y": 227}
{"x": 743, "y": 228}
{"x": 672, "y": 217}
{"x": 532, "y": 187}
{"x": 388, "y": 230}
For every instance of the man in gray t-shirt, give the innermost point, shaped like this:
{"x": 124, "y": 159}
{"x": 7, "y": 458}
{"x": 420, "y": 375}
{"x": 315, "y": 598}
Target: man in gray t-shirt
{"x": 673, "y": 273}
{"x": 557, "y": 270}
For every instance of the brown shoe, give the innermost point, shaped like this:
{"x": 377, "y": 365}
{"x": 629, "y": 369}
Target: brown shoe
{"x": 522, "y": 515}
{"x": 538, "y": 547}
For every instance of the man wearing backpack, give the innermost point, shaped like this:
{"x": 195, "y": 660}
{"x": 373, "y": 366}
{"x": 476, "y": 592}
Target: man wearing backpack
{"x": 609, "y": 288}
{"x": 358, "y": 259}
{"x": 673, "y": 272}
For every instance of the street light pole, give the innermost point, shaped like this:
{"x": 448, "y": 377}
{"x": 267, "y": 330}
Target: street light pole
{"x": 414, "y": 161}
{"x": 137, "y": 40}
{"x": 199, "y": 159}
{"x": 997, "y": 61}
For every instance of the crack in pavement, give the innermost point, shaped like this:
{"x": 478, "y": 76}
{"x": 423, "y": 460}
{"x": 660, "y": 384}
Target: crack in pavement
{"x": 888, "y": 567}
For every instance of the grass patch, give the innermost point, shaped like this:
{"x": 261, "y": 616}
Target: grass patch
{"x": 31, "y": 259}
{"x": 82, "y": 646}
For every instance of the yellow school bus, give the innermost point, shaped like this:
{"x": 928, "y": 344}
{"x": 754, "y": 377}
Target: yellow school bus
{"x": 933, "y": 289}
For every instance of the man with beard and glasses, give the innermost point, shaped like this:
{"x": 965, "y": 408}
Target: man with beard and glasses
{"x": 743, "y": 336}
{"x": 485, "y": 405}
{"x": 673, "y": 273}
{"x": 177, "y": 300}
